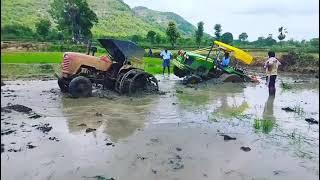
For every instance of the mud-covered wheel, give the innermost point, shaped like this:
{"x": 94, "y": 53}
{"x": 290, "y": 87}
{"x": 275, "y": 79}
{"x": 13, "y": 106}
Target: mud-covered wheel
{"x": 193, "y": 79}
{"x": 63, "y": 85}
{"x": 231, "y": 78}
{"x": 80, "y": 87}
{"x": 179, "y": 72}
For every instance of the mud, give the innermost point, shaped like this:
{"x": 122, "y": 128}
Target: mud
{"x": 18, "y": 108}
{"x": 44, "y": 128}
{"x": 168, "y": 136}
{"x": 288, "y": 109}
{"x": 311, "y": 121}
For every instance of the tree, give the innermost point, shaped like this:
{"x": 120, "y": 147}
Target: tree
{"x": 74, "y": 17}
{"x": 158, "y": 38}
{"x": 243, "y": 36}
{"x": 283, "y": 31}
{"x": 172, "y": 33}
{"x": 227, "y": 38}
{"x": 151, "y": 36}
{"x": 314, "y": 42}
{"x": 43, "y": 28}
{"x": 199, "y": 33}
{"x": 217, "y": 32}
{"x": 135, "y": 38}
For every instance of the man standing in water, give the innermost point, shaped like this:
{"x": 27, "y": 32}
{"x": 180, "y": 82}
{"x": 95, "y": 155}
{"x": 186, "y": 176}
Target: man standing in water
{"x": 271, "y": 66}
{"x": 166, "y": 56}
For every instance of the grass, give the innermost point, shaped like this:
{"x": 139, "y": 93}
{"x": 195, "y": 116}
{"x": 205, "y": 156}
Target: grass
{"x": 285, "y": 85}
{"x": 31, "y": 58}
{"x": 26, "y": 64}
{"x": 265, "y": 125}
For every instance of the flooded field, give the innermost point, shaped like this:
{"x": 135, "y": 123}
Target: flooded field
{"x": 212, "y": 131}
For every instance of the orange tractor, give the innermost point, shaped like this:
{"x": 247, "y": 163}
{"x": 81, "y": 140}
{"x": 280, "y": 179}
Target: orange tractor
{"x": 113, "y": 70}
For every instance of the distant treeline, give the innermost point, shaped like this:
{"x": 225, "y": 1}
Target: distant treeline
{"x": 57, "y": 39}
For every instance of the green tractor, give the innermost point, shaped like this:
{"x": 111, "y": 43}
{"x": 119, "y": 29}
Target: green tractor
{"x": 195, "y": 68}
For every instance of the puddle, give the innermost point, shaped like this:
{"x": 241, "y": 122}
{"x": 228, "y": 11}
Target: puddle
{"x": 176, "y": 135}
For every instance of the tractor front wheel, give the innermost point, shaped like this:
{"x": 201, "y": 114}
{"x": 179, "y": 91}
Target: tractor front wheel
{"x": 80, "y": 87}
{"x": 193, "y": 79}
{"x": 63, "y": 84}
{"x": 179, "y": 72}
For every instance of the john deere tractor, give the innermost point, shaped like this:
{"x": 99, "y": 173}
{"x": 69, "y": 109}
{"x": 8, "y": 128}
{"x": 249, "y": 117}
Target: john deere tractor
{"x": 113, "y": 70}
{"x": 195, "y": 68}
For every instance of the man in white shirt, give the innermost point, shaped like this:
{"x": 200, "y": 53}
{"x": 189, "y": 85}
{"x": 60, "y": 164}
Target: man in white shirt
{"x": 166, "y": 56}
{"x": 271, "y": 66}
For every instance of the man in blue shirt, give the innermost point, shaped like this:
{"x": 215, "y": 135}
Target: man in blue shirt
{"x": 226, "y": 60}
{"x": 166, "y": 56}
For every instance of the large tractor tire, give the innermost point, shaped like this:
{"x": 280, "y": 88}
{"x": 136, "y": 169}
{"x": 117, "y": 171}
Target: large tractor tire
{"x": 63, "y": 85}
{"x": 134, "y": 81}
{"x": 193, "y": 79}
{"x": 80, "y": 87}
{"x": 231, "y": 78}
{"x": 179, "y": 72}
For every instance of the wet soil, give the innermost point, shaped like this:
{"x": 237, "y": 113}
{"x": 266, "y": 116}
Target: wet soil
{"x": 208, "y": 131}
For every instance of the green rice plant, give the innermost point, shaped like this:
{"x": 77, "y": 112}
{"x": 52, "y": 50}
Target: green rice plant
{"x": 285, "y": 85}
{"x": 265, "y": 125}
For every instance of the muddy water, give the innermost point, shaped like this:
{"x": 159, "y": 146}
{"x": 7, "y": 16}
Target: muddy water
{"x": 177, "y": 135}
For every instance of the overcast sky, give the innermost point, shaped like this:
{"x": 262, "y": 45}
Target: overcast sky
{"x": 256, "y": 17}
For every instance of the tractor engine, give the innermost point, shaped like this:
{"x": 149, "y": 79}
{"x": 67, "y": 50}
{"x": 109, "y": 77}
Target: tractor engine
{"x": 74, "y": 63}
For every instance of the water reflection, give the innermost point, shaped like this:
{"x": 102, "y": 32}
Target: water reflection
{"x": 267, "y": 123}
{"x": 205, "y": 94}
{"x": 118, "y": 119}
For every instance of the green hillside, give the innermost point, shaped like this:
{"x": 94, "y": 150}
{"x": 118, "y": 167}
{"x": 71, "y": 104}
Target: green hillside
{"x": 115, "y": 17}
{"x": 161, "y": 20}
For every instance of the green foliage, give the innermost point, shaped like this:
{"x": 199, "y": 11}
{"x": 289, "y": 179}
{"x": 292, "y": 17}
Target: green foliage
{"x": 161, "y": 20}
{"x": 285, "y": 85}
{"x": 265, "y": 125}
{"x": 314, "y": 42}
{"x": 43, "y": 28}
{"x": 269, "y": 41}
{"x": 243, "y": 36}
{"x": 73, "y": 16}
{"x": 16, "y": 31}
{"x": 217, "y": 31}
{"x": 158, "y": 39}
{"x": 172, "y": 33}
{"x": 136, "y": 38}
{"x": 199, "y": 33}
{"x": 227, "y": 38}
{"x": 151, "y": 36}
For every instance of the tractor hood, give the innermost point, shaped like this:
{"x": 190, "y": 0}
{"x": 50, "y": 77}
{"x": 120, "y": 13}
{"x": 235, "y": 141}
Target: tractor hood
{"x": 122, "y": 50}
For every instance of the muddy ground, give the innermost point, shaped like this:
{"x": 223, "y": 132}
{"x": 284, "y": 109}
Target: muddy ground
{"x": 212, "y": 131}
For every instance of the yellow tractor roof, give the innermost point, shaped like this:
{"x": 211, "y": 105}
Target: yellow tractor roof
{"x": 237, "y": 53}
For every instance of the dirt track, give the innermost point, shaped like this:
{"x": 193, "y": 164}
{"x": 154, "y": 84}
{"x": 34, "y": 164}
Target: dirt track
{"x": 206, "y": 132}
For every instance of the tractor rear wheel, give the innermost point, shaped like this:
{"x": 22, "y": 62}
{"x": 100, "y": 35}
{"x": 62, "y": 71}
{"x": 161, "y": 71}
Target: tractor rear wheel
{"x": 63, "y": 84}
{"x": 231, "y": 78}
{"x": 136, "y": 80}
{"x": 80, "y": 87}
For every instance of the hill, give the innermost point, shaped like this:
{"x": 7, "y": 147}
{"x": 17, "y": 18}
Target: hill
{"x": 115, "y": 17}
{"x": 161, "y": 20}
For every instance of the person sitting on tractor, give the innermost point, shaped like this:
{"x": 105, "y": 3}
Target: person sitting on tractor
{"x": 225, "y": 61}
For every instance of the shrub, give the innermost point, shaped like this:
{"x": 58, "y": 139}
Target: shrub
{"x": 16, "y": 31}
